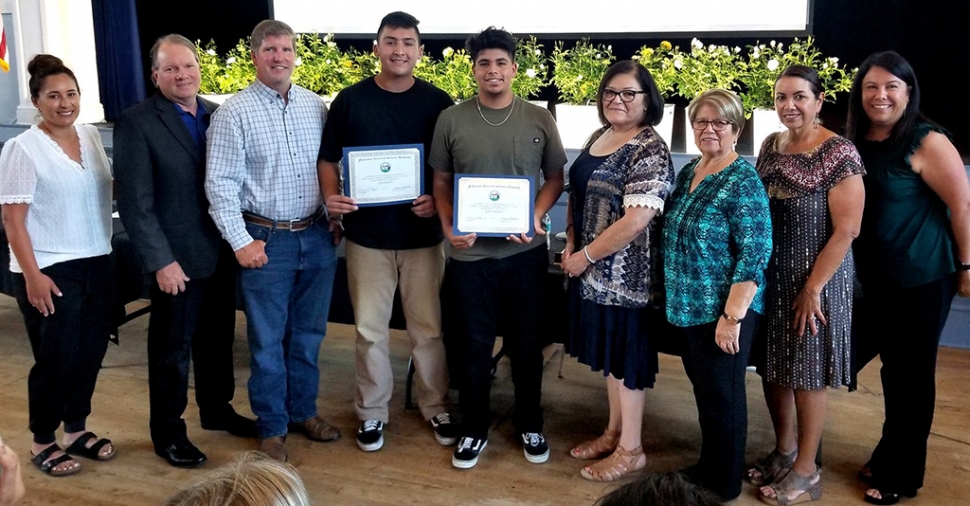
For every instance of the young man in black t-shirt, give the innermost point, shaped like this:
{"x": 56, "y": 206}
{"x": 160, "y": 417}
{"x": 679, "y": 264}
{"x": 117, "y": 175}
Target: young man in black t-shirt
{"x": 391, "y": 246}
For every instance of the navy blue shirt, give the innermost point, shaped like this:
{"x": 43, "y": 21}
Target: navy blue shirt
{"x": 197, "y": 124}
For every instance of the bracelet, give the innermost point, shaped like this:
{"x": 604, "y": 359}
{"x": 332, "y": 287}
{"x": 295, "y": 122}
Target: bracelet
{"x": 733, "y": 320}
{"x": 963, "y": 266}
{"x": 586, "y": 254}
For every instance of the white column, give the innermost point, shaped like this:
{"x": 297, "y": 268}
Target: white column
{"x": 65, "y": 29}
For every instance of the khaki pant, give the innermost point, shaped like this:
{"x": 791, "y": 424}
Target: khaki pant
{"x": 373, "y": 275}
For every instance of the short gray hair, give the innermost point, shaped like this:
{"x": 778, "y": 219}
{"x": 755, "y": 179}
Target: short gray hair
{"x": 269, "y": 28}
{"x": 726, "y": 103}
{"x": 172, "y": 38}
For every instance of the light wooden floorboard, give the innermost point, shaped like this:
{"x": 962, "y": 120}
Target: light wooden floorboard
{"x": 413, "y": 469}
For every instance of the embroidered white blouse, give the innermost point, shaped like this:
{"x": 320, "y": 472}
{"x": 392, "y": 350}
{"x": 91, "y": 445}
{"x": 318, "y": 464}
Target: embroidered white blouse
{"x": 70, "y": 204}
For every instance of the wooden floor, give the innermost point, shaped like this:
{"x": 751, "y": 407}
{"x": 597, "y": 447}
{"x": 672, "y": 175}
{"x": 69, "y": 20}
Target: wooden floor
{"x": 413, "y": 469}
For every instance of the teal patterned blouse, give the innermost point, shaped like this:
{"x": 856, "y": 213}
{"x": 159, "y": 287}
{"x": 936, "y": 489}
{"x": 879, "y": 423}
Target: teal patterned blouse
{"x": 714, "y": 237}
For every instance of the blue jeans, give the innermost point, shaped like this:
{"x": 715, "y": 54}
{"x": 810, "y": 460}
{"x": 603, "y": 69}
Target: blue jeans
{"x": 286, "y": 303}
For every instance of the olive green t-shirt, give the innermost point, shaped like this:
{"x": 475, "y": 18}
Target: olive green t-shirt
{"x": 526, "y": 144}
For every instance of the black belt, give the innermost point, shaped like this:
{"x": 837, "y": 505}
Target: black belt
{"x": 291, "y": 225}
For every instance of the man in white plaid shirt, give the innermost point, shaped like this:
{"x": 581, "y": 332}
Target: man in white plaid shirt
{"x": 261, "y": 181}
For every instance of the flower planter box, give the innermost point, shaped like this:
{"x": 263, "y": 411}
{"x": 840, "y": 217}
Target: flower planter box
{"x": 665, "y": 129}
{"x": 576, "y": 123}
{"x": 763, "y": 123}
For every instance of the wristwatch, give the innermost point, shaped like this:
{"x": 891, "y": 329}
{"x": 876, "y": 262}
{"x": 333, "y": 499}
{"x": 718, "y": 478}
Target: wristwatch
{"x": 733, "y": 320}
{"x": 961, "y": 266}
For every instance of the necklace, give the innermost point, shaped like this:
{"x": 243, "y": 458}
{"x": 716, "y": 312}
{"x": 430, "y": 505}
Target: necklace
{"x": 478, "y": 104}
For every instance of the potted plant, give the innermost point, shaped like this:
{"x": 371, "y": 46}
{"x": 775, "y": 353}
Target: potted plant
{"x": 704, "y": 68}
{"x": 765, "y": 63}
{"x": 659, "y": 61}
{"x": 453, "y": 74}
{"x": 533, "y": 74}
{"x": 577, "y": 73}
{"x": 220, "y": 78}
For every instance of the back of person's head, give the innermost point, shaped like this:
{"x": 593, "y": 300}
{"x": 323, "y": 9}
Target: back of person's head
{"x": 668, "y": 489}
{"x": 253, "y": 479}
{"x": 399, "y": 19}
{"x": 43, "y": 66}
{"x": 490, "y": 38}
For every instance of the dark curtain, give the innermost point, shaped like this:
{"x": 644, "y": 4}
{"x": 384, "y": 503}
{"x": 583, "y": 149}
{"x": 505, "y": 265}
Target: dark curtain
{"x": 120, "y": 73}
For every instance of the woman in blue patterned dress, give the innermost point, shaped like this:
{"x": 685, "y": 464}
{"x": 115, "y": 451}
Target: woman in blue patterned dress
{"x": 717, "y": 241}
{"x": 618, "y": 185}
{"x": 814, "y": 183}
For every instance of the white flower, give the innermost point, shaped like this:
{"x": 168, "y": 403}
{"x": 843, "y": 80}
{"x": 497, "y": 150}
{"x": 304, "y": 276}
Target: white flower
{"x": 211, "y": 52}
{"x": 299, "y": 61}
{"x": 530, "y": 72}
{"x": 599, "y": 55}
{"x": 678, "y": 63}
{"x": 755, "y": 53}
{"x": 448, "y": 51}
{"x": 825, "y": 65}
{"x": 609, "y": 48}
{"x": 328, "y": 62}
{"x": 780, "y": 45}
{"x": 737, "y": 49}
{"x": 696, "y": 43}
{"x": 772, "y": 43}
{"x": 772, "y": 64}
{"x": 230, "y": 60}
{"x": 834, "y": 60}
{"x": 579, "y": 77}
{"x": 538, "y": 52}
{"x": 711, "y": 48}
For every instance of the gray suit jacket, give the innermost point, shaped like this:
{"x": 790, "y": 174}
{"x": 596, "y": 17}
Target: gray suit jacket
{"x": 159, "y": 175}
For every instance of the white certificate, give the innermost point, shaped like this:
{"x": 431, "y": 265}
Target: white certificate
{"x": 494, "y": 206}
{"x": 384, "y": 175}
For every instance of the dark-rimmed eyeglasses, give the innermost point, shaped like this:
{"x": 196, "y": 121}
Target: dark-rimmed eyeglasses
{"x": 625, "y": 95}
{"x": 719, "y": 125}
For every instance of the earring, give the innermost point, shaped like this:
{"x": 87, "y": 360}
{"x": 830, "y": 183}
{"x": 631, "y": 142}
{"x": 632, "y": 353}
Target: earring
{"x": 817, "y": 122}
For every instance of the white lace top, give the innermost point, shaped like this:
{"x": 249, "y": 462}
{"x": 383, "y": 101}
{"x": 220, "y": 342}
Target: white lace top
{"x": 70, "y": 204}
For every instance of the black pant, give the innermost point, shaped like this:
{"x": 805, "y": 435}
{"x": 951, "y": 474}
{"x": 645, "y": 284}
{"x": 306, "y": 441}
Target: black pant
{"x": 199, "y": 321}
{"x": 722, "y": 408}
{"x": 903, "y": 326}
{"x": 68, "y": 345}
{"x": 502, "y": 293}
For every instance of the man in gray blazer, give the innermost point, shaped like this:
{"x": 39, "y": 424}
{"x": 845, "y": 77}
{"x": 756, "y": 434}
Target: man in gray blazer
{"x": 159, "y": 155}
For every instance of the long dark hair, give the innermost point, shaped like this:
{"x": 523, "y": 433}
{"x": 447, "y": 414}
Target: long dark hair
{"x": 858, "y": 122}
{"x": 653, "y": 99}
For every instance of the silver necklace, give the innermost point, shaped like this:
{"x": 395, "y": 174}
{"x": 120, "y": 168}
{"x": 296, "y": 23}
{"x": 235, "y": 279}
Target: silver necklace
{"x": 478, "y": 104}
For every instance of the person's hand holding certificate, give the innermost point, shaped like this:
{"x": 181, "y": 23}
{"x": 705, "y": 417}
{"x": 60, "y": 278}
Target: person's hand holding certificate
{"x": 494, "y": 206}
{"x": 383, "y": 175}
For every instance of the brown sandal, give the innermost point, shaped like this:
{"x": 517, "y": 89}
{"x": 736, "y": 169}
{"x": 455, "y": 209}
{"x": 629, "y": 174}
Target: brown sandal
{"x": 597, "y": 448}
{"x": 772, "y": 466}
{"x": 810, "y": 486}
{"x": 619, "y": 464}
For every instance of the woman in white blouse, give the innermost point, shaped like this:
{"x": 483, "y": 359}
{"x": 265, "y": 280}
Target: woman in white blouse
{"x": 55, "y": 191}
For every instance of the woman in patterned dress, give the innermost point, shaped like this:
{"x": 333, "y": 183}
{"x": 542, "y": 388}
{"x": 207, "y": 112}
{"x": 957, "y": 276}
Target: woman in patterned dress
{"x": 913, "y": 254}
{"x": 618, "y": 185}
{"x": 814, "y": 183}
{"x": 717, "y": 241}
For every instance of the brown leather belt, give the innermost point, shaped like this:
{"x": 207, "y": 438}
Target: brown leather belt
{"x": 291, "y": 225}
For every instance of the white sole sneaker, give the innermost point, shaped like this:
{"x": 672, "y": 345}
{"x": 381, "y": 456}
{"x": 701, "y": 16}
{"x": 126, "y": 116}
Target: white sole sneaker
{"x": 536, "y": 459}
{"x": 468, "y": 464}
{"x": 373, "y": 447}
{"x": 445, "y": 441}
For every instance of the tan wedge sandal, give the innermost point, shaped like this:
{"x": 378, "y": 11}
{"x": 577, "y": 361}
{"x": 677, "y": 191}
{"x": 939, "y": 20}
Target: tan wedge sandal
{"x": 619, "y": 464}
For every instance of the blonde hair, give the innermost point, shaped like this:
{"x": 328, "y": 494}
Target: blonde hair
{"x": 253, "y": 479}
{"x": 726, "y": 103}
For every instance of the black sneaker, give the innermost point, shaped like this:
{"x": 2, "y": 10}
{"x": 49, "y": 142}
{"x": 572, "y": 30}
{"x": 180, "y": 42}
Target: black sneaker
{"x": 444, "y": 431}
{"x": 535, "y": 448}
{"x": 370, "y": 435}
{"x": 466, "y": 455}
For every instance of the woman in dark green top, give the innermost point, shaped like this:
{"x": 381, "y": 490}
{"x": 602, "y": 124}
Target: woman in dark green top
{"x": 912, "y": 255}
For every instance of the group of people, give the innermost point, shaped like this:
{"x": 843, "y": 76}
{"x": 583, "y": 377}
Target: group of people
{"x": 768, "y": 246}
{"x": 252, "y": 189}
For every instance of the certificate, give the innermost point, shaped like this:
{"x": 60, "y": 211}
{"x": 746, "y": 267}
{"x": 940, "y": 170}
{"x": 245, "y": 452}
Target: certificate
{"x": 384, "y": 175}
{"x": 493, "y": 206}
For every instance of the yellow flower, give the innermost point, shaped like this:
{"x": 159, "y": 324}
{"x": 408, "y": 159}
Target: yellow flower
{"x": 666, "y": 46}
{"x": 347, "y": 63}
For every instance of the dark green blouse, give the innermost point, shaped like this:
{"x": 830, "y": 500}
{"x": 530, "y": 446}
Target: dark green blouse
{"x": 906, "y": 239}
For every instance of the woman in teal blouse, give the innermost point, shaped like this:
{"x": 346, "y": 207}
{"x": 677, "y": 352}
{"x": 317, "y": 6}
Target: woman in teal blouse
{"x": 912, "y": 255}
{"x": 717, "y": 242}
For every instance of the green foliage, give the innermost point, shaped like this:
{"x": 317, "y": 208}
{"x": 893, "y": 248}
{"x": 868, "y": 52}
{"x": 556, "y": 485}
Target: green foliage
{"x": 767, "y": 61}
{"x": 533, "y": 74}
{"x": 453, "y": 74}
{"x": 223, "y": 76}
{"x": 705, "y": 68}
{"x": 659, "y": 61}
{"x": 577, "y": 72}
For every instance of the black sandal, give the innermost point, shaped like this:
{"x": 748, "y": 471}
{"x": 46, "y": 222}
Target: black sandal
{"x": 48, "y": 466}
{"x": 93, "y": 452}
{"x": 887, "y": 495}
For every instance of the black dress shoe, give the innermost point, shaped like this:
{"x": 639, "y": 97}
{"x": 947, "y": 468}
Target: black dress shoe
{"x": 181, "y": 454}
{"x": 233, "y": 423}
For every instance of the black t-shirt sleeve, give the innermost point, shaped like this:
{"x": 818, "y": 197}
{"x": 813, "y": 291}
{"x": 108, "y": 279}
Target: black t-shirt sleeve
{"x": 332, "y": 143}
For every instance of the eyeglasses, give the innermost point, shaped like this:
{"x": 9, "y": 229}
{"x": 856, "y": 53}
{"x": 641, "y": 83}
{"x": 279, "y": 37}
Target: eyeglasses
{"x": 719, "y": 125}
{"x": 625, "y": 95}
